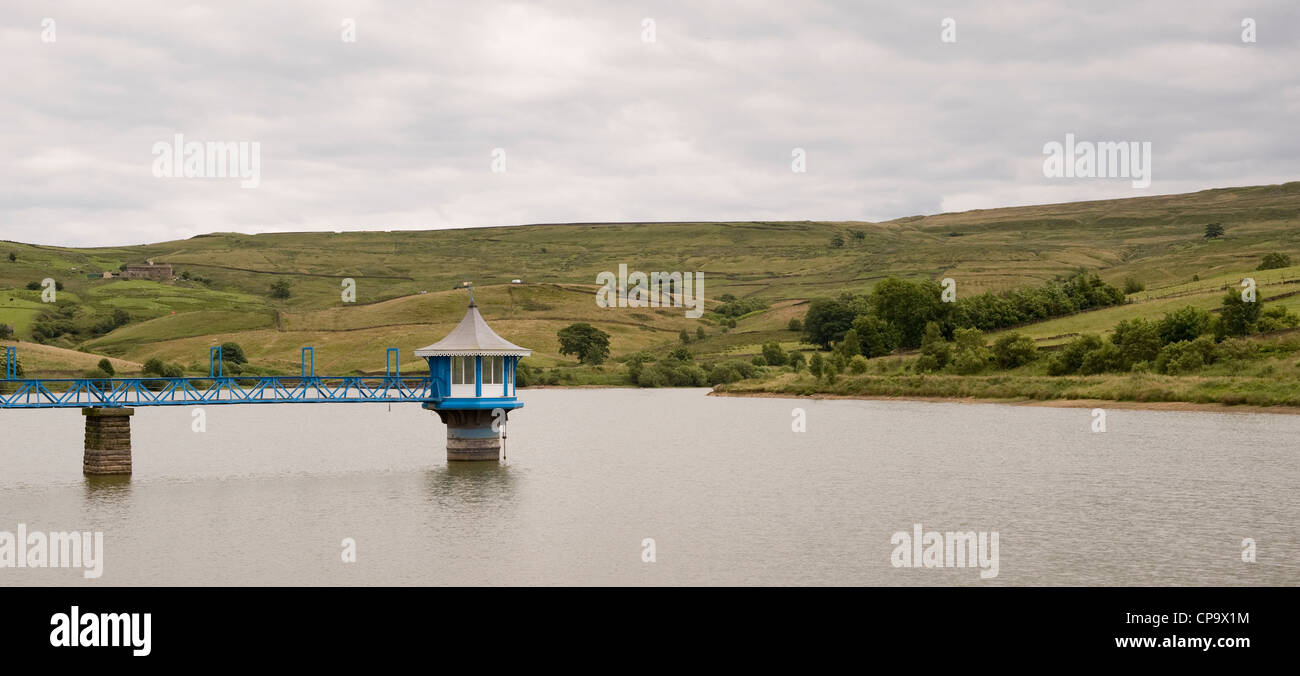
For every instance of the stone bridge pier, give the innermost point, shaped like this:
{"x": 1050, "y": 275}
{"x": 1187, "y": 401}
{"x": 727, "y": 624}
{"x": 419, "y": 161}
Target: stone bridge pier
{"x": 108, "y": 441}
{"x": 470, "y": 435}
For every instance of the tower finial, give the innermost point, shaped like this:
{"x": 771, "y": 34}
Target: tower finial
{"x": 470, "y": 287}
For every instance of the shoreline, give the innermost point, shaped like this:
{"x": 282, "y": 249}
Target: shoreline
{"x": 1180, "y": 406}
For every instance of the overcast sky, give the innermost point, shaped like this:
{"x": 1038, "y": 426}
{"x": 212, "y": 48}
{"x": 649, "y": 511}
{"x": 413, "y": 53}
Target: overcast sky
{"x": 397, "y": 129}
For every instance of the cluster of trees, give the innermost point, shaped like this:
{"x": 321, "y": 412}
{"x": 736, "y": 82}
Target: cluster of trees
{"x": 898, "y": 312}
{"x": 1182, "y": 341}
{"x": 67, "y": 320}
{"x": 685, "y": 336}
{"x": 738, "y": 307}
{"x": 677, "y": 369}
{"x": 54, "y": 323}
{"x": 156, "y": 368}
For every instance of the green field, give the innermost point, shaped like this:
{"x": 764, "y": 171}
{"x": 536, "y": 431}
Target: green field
{"x": 405, "y": 280}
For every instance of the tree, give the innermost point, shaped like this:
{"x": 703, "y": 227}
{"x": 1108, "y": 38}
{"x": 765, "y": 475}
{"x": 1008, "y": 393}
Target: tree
{"x": 153, "y": 367}
{"x": 1274, "y": 261}
{"x": 773, "y": 354}
{"x": 849, "y": 346}
{"x": 935, "y": 351}
{"x": 1184, "y": 324}
{"x": 280, "y": 289}
{"x": 12, "y": 257}
{"x": 1213, "y": 230}
{"x": 107, "y": 367}
{"x": 827, "y": 321}
{"x": 797, "y": 361}
{"x": 815, "y": 365}
{"x": 232, "y": 353}
{"x": 1238, "y": 317}
{"x": 858, "y": 364}
{"x": 699, "y": 333}
{"x": 877, "y": 338}
{"x": 795, "y": 325}
{"x": 837, "y": 241}
{"x": 684, "y": 336}
{"x": 969, "y": 353}
{"x": 1138, "y": 340}
{"x": 588, "y": 343}
{"x": 1070, "y": 359}
{"x": 909, "y": 307}
{"x": 1014, "y": 349}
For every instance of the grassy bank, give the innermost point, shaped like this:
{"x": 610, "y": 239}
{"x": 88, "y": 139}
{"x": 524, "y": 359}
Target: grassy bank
{"x": 1227, "y": 390}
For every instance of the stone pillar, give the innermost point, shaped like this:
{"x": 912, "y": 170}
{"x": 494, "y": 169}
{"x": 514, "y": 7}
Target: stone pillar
{"x": 470, "y": 435}
{"x": 108, "y": 441}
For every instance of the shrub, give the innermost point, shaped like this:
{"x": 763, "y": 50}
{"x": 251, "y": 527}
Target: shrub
{"x": 1013, "y": 350}
{"x": 1274, "y": 261}
{"x": 1071, "y": 357}
{"x": 1186, "y": 356}
{"x": 773, "y": 354}
{"x": 795, "y": 325}
{"x": 850, "y": 346}
{"x": 758, "y": 360}
{"x": 858, "y": 364}
{"x": 935, "y": 347}
{"x": 836, "y": 363}
{"x": 1137, "y": 340}
{"x": 107, "y": 367}
{"x": 1277, "y": 318}
{"x": 797, "y": 361}
{"x": 1133, "y": 285}
{"x": 1184, "y": 324}
{"x": 153, "y": 367}
{"x": 280, "y": 289}
{"x": 1101, "y": 360}
{"x": 969, "y": 353}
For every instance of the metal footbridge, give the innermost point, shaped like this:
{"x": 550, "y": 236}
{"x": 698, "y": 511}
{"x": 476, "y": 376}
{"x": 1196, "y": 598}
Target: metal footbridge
{"x": 217, "y": 388}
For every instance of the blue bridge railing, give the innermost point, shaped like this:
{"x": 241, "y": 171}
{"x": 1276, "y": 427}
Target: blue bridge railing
{"x": 112, "y": 392}
{"x": 217, "y": 388}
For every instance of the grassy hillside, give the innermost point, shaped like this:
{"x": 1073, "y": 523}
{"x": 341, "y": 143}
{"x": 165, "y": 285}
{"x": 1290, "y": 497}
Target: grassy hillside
{"x": 404, "y": 280}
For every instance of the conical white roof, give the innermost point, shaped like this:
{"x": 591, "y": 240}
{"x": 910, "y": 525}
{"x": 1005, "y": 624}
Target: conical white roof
{"x": 473, "y": 337}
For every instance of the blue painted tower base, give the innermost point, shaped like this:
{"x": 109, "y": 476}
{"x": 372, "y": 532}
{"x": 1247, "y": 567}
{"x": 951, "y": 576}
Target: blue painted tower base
{"x": 470, "y": 435}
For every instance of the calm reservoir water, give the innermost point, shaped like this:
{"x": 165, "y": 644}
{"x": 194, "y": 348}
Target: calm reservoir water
{"x": 727, "y": 491}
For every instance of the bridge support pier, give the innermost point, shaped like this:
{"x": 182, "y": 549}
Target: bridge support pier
{"x": 108, "y": 441}
{"x": 470, "y": 435}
